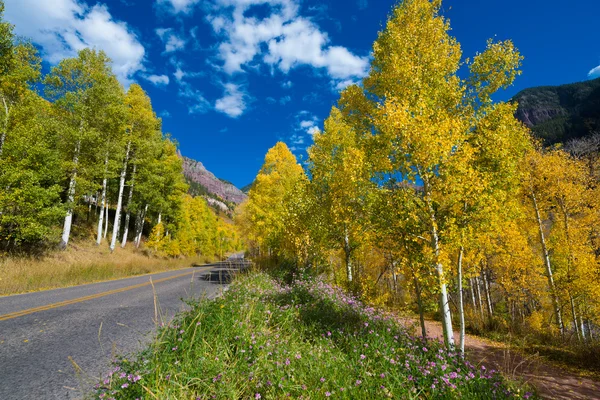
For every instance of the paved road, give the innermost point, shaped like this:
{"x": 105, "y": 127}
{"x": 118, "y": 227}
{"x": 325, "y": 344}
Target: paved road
{"x": 56, "y": 343}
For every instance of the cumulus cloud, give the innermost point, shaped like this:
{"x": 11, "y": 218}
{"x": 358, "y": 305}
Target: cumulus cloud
{"x": 284, "y": 100}
{"x": 282, "y": 40}
{"x": 287, "y": 84}
{"x": 171, "y": 41}
{"x": 233, "y": 102}
{"x": 307, "y": 123}
{"x": 178, "y": 6}
{"x": 63, "y": 27}
{"x": 594, "y": 73}
{"x": 158, "y": 80}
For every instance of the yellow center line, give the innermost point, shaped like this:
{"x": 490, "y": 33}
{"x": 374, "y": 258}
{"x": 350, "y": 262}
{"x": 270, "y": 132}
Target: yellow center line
{"x": 91, "y": 297}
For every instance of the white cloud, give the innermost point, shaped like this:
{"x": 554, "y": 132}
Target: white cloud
{"x": 284, "y": 100}
{"x": 179, "y": 74}
{"x": 178, "y": 6}
{"x": 283, "y": 40}
{"x": 594, "y": 73}
{"x": 158, "y": 80}
{"x": 233, "y": 103}
{"x": 165, "y": 114}
{"x": 307, "y": 123}
{"x": 171, "y": 40}
{"x": 63, "y": 27}
{"x": 287, "y": 84}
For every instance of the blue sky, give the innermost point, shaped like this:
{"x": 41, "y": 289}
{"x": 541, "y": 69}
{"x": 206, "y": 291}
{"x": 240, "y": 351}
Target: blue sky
{"x": 232, "y": 77}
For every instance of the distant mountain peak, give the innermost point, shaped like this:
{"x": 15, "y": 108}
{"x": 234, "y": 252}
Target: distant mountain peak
{"x": 204, "y": 182}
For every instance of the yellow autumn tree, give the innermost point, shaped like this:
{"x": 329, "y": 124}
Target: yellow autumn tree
{"x": 263, "y": 214}
{"x": 420, "y": 116}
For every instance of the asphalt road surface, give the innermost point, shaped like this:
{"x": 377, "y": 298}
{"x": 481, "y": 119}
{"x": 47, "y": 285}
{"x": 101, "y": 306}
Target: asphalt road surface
{"x": 56, "y": 344}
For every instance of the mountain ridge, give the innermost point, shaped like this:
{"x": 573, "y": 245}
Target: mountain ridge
{"x": 204, "y": 183}
{"x": 557, "y": 114}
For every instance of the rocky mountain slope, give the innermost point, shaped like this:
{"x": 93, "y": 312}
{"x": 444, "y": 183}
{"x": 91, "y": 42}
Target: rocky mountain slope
{"x": 204, "y": 183}
{"x": 561, "y": 113}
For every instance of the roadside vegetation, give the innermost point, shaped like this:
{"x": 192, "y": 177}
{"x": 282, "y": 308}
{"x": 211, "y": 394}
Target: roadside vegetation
{"x": 84, "y": 263}
{"x": 423, "y": 193}
{"x": 306, "y": 340}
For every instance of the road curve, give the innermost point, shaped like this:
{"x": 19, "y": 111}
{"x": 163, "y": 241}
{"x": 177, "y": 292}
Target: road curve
{"x": 55, "y": 344}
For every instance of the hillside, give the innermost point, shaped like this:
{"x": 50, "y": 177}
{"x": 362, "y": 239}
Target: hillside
{"x": 204, "y": 183}
{"x": 560, "y": 113}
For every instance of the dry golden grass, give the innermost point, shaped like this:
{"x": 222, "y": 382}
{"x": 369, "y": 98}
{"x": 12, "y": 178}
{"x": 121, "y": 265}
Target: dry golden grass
{"x": 81, "y": 263}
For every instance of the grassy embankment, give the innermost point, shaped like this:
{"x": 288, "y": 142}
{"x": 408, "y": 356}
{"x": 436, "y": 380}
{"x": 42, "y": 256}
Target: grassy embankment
{"x": 306, "y": 341}
{"x": 83, "y": 262}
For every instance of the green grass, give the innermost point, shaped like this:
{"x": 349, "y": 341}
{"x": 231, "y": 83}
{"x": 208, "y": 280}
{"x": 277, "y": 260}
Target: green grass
{"x": 306, "y": 341}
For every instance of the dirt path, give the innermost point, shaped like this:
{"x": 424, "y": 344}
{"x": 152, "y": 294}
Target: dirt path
{"x": 550, "y": 381}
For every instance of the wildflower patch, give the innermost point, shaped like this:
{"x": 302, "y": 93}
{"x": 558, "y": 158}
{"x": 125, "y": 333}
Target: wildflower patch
{"x": 263, "y": 340}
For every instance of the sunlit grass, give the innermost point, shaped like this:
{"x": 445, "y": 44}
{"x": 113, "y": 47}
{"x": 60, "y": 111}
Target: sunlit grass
{"x": 81, "y": 263}
{"x": 306, "y": 341}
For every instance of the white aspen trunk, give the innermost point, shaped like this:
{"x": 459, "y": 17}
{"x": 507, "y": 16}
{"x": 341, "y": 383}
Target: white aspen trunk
{"x": 128, "y": 215}
{"x": 444, "y": 301}
{"x": 473, "y": 294}
{"x": 461, "y": 309}
{"x": 548, "y": 265}
{"x": 488, "y": 297}
{"x": 478, "y": 286}
{"x": 113, "y": 239}
{"x": 581, "y": 324}
{"x": 575, "y": 324}
{"x": 70, "y": 199}
{"x": 347, "y": 256}
{"x": 101, "y": 219}
{"x": 5, "y": 127}
{"x": 138, "y": 239}
{"x": 106, "y": 220}
{"x": 159, "y": 217}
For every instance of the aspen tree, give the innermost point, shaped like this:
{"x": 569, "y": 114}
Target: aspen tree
{"x": 421, "y": 114}
{"x": 77, "y": 87}
{"x": 340, "y": 178}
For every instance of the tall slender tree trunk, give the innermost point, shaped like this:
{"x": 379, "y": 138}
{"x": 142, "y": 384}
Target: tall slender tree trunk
{"x": 113, "y": 240}
{"x": 106, "y": 220}
{"x": 70, "y": 199}
{"x": 128, "y": 215}
{"x": 461, "y": 309}
{"x": 488, "y": 296}
{"x": 5, "y": 127}
{"x": 574, "y": 314}
{"x": 444, "y": 301}
{"x": 581, "y": 324}
{"x": 478, "y": 286}
{"x": 472, "y": 290}
{"x": 138, "y": 238}
{"x": 549, "y": 275}
{"x": 101, "y": 219}
{"x": 347, "y": 256}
